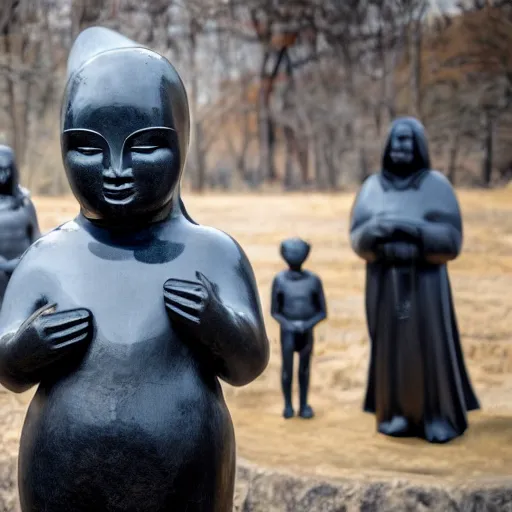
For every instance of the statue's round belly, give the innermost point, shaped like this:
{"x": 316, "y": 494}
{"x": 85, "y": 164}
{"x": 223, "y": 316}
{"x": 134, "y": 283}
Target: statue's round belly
{"x": 157, "y": 431}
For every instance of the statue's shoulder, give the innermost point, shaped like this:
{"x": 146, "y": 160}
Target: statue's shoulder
{"x": 438, "y": 177}
{"x": 370, "y": 186}
{"x": 215, "y": 243}
{"x": 372, "y": 179}
{"x": 310, "y": 274}
{"x": 280, "y": 276}
{"x": 371, "y": 182}
{"x": 58, "y": 238}
{"x": 438, "y": 182}
{"x": 24, "y": 195}
{"x": 37, "y": 254}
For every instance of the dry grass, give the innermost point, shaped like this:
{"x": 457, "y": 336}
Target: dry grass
{"x": 341, "y": 440}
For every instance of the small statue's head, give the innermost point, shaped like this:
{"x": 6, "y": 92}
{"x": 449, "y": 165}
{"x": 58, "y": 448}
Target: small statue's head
{"x": 295, "y": 252}
{"x": 406, "y": 148}
{"x": 7, "y": 170}
{"x": 125, "y": 128}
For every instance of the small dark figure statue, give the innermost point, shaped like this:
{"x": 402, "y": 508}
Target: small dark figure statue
{"x": 128, "y": 315}
{"x": 298, "y": 304}
{"x": 407, "y": 225}
{"x": 18, "y": 220}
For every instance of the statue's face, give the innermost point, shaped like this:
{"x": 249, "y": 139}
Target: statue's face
{"x": 402, "y": 145}
{"x": 5, "y": 173}
{"x": 119, "y": 144}
{"x": 5, "y": 168}
{"x": 113, "y": 177}
{"x": 295, "y": 252}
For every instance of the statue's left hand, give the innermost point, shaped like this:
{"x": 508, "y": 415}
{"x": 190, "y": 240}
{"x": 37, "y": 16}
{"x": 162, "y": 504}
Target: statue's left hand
{"x": 398, "y": 225}
{"x": 189, "y": 301}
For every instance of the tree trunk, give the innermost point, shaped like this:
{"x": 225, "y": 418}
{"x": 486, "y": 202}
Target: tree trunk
{"x": 488, "y": 149}
{"x": 289, "y": 152}
{"x": 11, "y": 96}
{"x": 363, "y": 165}
{"x": 332, "y": 169}
{"x": 302, "y": 148}
{"x": 263, "y": 120}
{"x": 196, "y": 128}
{"x": 454, "y": 152}
{"x": 266, "y": 135}
{"x": 415, "y": 72}
{"x": 320, "y": 163}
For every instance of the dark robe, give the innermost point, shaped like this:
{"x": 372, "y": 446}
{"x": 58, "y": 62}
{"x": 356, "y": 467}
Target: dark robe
{"x": 417, "y": 371}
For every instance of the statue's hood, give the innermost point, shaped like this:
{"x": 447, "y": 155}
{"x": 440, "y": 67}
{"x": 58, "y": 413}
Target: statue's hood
{"x": 421, "y": 153}
{"x": 107, "y": 74}
{"x": 420, "y": 164}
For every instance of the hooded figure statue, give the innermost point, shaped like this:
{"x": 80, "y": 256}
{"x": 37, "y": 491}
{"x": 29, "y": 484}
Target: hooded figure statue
{"x": 18, "y": 220}
{"x": 406, "y": 224}
{"x": 127, "y": 316}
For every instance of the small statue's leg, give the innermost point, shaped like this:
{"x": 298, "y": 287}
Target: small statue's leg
{"x": 306, "y": 410}
{"x": 287, "y": 348}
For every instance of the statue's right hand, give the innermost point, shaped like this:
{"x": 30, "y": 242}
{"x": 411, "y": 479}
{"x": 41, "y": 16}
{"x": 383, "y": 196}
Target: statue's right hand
{"x": 385, "y": 229}
{"x": 64, "y": 328}
{"x": 46, "y": 337}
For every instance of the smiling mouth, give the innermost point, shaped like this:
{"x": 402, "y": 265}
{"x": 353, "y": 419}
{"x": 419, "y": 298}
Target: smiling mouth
{"x": 118, "y": 188}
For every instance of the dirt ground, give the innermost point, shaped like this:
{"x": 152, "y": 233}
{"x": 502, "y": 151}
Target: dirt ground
{"x": 341, "y": 439}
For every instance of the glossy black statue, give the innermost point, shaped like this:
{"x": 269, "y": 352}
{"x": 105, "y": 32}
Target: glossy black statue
{"x": 407, "y": 225}
{"x": 127, "y": 316}
{"x": 18, "y": 220}
{"x": 298, "y": 304}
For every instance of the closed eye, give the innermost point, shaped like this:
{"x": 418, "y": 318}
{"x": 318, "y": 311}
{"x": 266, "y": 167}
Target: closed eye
{"x": 144, "y": 149}
{"x": 89, "y": 151}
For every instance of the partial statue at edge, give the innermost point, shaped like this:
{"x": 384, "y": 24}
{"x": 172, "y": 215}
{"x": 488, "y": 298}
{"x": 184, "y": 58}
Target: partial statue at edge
{"x": 127, "y": 316}
{"x": 298, "y": 304}
{"x": 406, "y": 224}
{"x": 19, "y": 228}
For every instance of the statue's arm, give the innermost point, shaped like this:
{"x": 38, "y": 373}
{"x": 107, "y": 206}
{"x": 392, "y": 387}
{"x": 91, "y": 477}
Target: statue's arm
{"x": 32, "y": 336}
{"x": 224, "y": 313}
{"x": 277, "y": 304}
{"x": 367, "y": 231}
{"x": 319, "y": 299}
{"x": 441, "y": 232}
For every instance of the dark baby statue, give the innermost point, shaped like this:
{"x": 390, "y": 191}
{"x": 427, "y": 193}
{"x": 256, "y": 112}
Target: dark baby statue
{"x": 407, "y": 225}
{"x": 298, "y": 304}
{"x": 18, "y": 220}
{"x": 127, "y": 316}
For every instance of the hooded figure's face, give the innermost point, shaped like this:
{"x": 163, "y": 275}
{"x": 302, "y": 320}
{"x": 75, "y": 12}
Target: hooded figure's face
{"x": 125, "y": 125}
{"x": 295, "y": 252}
{"x": 406, "y": 149}
{"x": 7, "y": 170}
{"x": 402, "y": 145}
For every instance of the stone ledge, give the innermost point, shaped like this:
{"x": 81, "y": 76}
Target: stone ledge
{"x": 263, "y": 490}
{"x": 260, "y": 490}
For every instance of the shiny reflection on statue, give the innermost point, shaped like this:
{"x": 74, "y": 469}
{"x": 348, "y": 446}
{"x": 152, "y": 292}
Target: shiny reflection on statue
{"x": 18, "y": 220}
{"x": 298, "y": 304}
{"x": 128, "y": 315}
{"x": 406, "y": 224}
